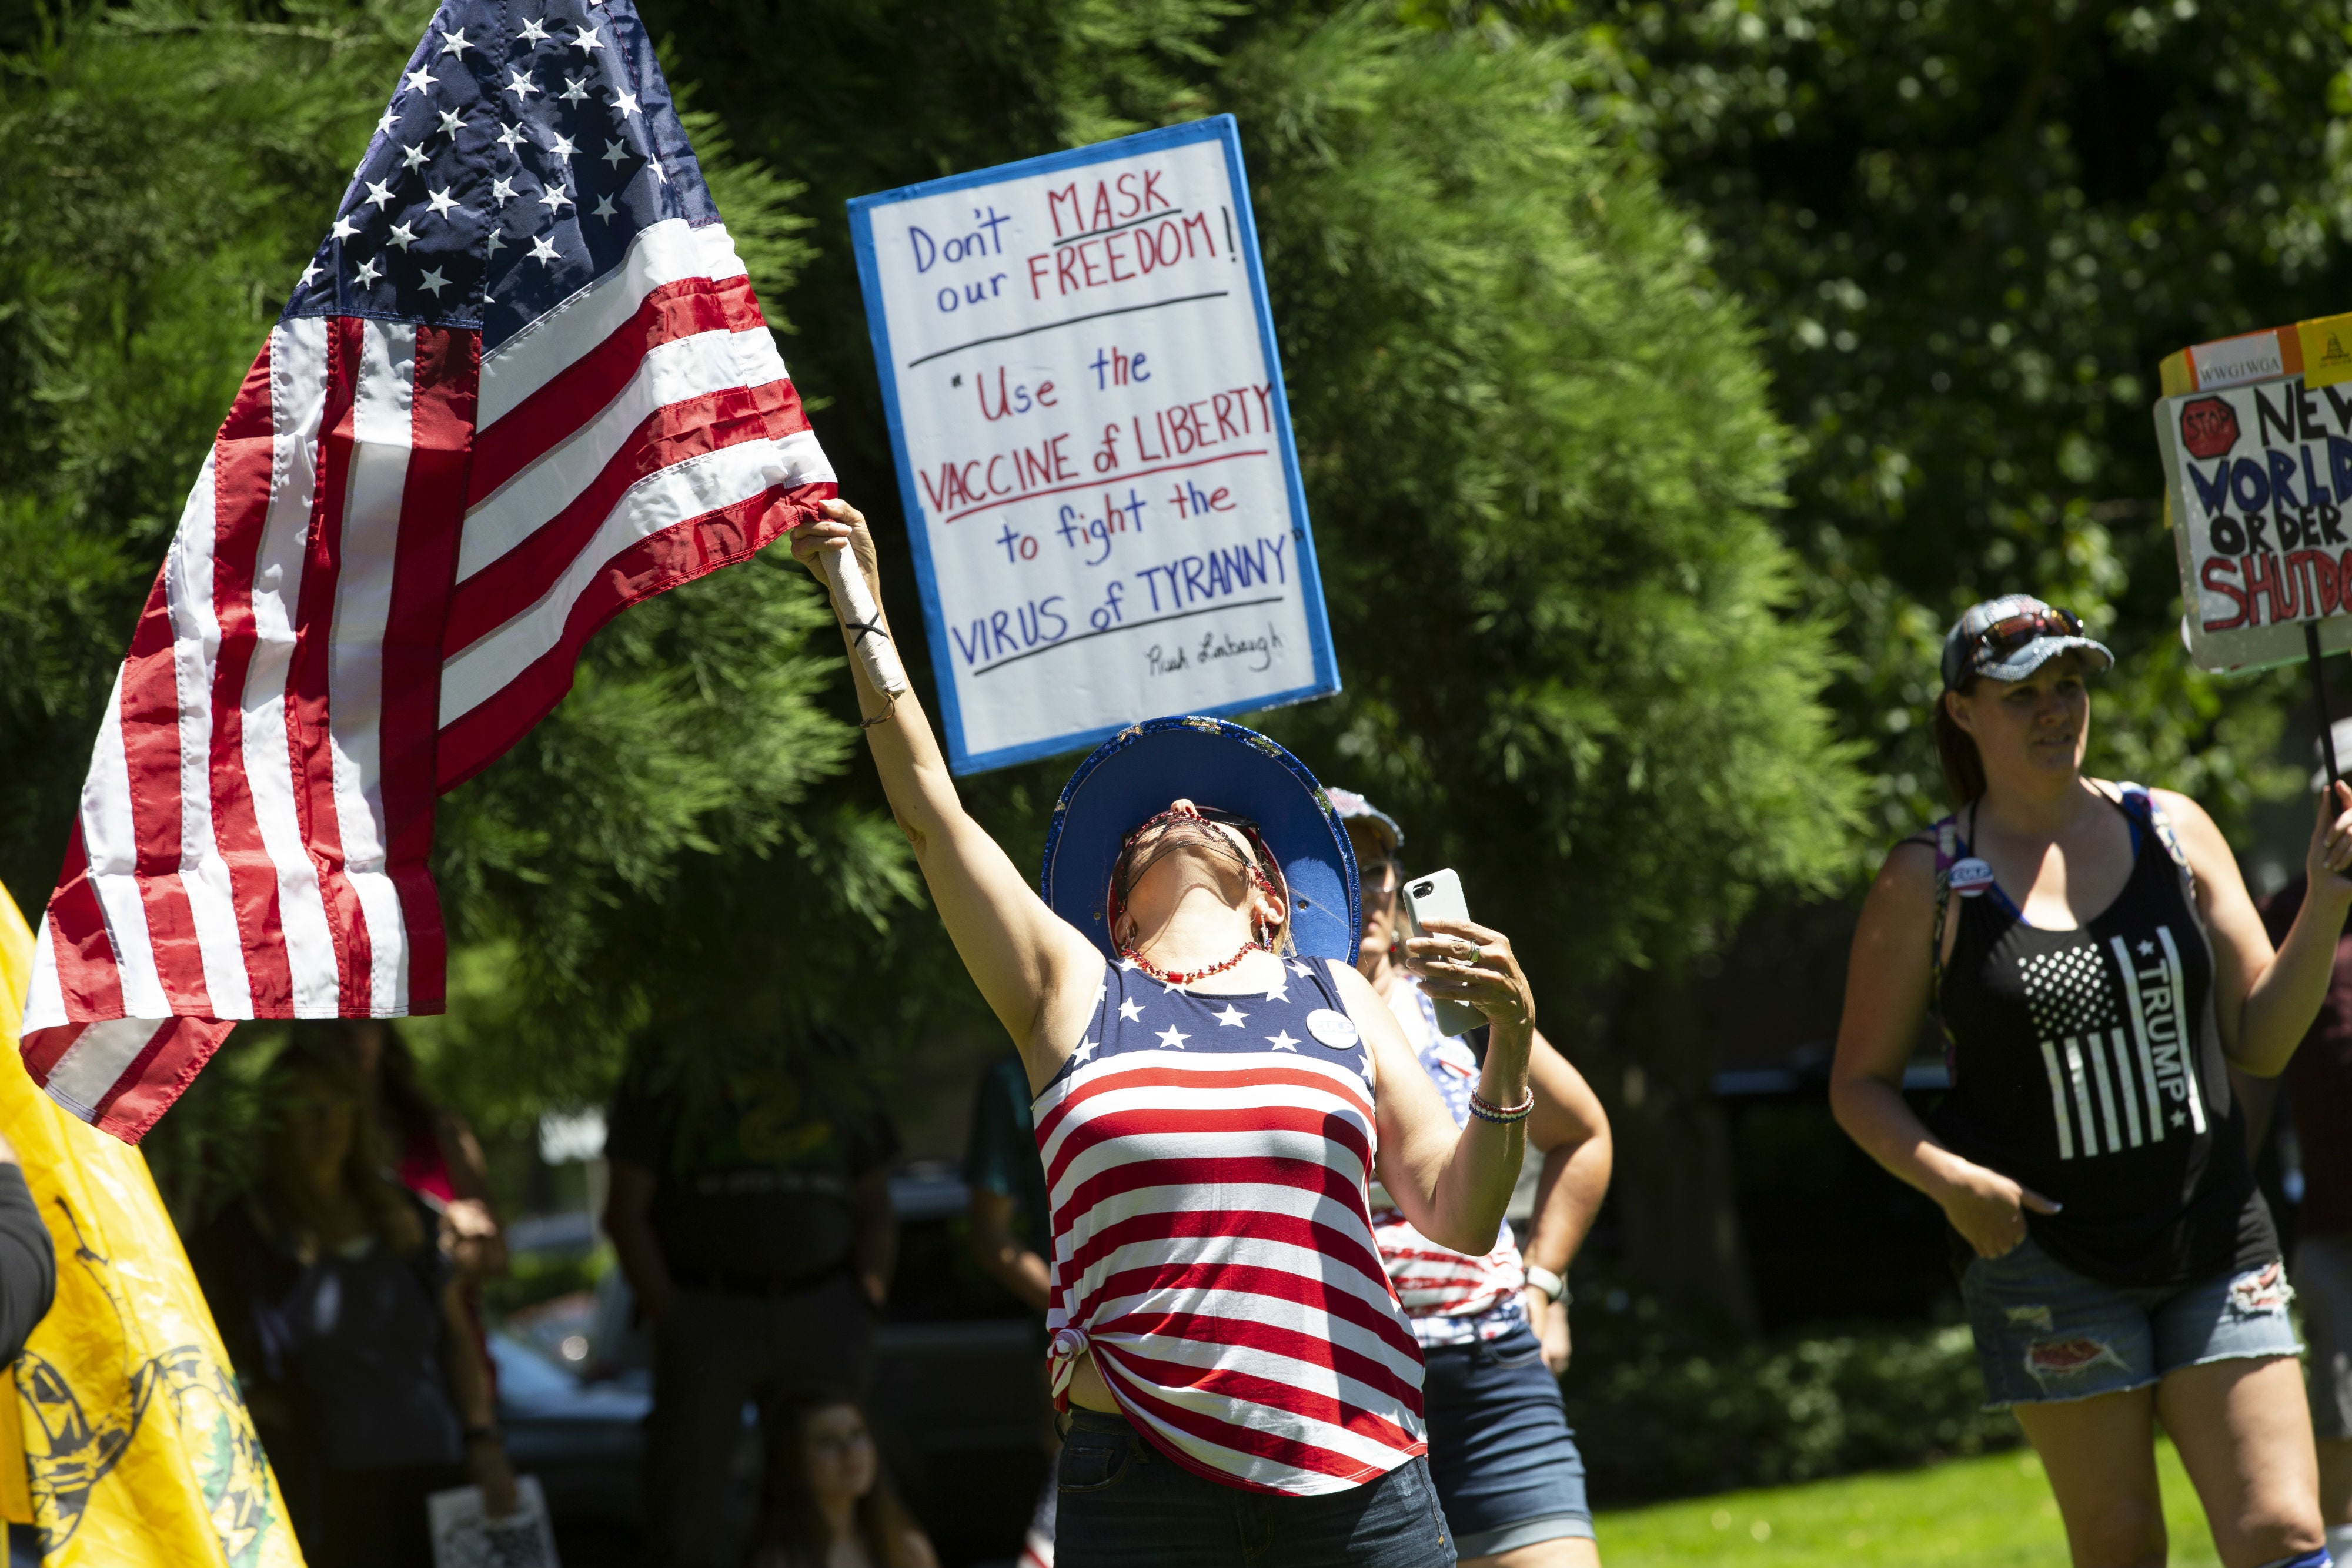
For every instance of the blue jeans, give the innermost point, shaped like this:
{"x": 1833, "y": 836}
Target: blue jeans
{"x": 2045, "y": 1333}
{"x": 1125, "y": 1504}
{"x": 1508, "y": 1471}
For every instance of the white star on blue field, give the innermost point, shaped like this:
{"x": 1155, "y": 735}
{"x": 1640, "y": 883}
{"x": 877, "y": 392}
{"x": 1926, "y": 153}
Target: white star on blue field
{"x": 509, "y": 170}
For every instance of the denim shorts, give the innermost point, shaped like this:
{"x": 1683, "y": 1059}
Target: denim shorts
{"x": 2045, "y": 1333}
{"x": 1125, "y": 1504}
{"x": 1508, "y": 1471}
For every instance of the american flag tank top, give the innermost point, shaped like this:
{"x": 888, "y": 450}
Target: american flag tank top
{"x": 1208, "y": 1158}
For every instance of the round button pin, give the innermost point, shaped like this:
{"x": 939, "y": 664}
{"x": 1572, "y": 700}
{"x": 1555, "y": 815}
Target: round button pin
{"x": 1335, "y": 1029}
{"x": 1971, "y": 877}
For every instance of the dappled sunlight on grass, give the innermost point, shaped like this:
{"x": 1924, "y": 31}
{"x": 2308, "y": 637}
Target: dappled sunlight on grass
{"x": 1989, "y": 1513}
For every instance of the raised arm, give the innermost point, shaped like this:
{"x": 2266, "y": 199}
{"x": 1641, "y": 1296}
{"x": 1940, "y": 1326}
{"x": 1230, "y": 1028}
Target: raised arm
{"x": 1886, "y": 984}
{"x": 1036, "y": 973}
{"x": 2264, "y": 1000}
{"x": 1454, "y": 1184}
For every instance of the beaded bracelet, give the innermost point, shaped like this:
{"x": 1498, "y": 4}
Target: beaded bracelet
{"x": 1485, "y": 1109}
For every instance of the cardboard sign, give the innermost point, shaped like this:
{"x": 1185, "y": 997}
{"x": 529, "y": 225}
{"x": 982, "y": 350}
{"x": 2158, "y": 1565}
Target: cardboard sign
{"x": 1086, "y": 407}
{"x": 464, "y": 1536}
{"x": 2257, "y": 438}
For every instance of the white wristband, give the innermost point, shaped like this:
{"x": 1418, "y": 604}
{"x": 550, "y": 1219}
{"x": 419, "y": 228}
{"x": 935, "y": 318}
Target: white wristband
{"x": 1554, "y": 1288}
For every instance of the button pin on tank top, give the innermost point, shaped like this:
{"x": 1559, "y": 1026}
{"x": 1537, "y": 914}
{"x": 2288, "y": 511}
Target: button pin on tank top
{"x": 1971, "y": 877}
{"x": 1335, "y": 1029}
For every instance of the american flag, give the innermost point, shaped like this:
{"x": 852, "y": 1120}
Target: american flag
{"x": 522, "y": 385}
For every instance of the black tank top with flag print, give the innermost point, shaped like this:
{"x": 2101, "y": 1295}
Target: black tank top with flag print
{"x": 2085, "y": 1064}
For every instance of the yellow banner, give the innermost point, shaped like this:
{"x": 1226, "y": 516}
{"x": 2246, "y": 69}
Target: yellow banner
{"x": 2326, "y": 350}
{"x": 137, "y": 1446}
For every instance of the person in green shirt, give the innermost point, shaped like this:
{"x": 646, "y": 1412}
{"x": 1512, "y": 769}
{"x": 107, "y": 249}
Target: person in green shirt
{"x": 1011, "y": 1223}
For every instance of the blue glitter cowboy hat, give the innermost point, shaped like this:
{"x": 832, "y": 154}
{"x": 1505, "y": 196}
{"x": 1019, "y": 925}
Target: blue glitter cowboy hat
{"x": 1131, "y": 777}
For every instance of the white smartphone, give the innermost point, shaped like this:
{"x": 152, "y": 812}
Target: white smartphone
{"x": 1438, "y": 896}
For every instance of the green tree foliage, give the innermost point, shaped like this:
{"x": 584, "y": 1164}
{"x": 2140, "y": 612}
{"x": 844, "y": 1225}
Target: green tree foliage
{"x": 1537, "y": 439}
{"x": 1537, "y": 443}
{"x": 1970, "y": 232}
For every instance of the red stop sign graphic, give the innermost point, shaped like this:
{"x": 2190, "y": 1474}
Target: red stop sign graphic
{"x": 2208, "y": 427}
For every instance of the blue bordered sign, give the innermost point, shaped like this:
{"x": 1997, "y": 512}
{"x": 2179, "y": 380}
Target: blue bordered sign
{"x": 1093, "y": 450}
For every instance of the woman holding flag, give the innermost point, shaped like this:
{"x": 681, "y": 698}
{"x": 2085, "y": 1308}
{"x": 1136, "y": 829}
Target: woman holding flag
{"x": 2099, "y": 970}
{"x": 1215, "y": 1087}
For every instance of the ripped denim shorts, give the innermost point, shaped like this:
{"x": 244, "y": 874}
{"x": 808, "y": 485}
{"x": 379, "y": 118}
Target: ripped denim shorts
{"x": 2046, "y": 1334}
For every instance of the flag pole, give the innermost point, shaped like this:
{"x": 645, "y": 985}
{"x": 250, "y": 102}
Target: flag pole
{"x": 2319, "y": 701}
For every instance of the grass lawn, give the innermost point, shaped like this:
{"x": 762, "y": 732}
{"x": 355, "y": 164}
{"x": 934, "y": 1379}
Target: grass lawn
{"x": 1993, "y": 1513}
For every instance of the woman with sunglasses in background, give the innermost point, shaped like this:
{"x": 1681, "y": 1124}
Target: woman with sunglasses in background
{"x": 1493, "y": 1326}
{"x": 1216, "y": 1087}
{"x": 2098, "y": 969}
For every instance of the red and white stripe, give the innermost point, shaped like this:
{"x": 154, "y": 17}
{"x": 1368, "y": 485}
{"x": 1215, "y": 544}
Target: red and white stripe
{"x": 1452, "y": 1298}
{"x": 372, "y": 592}
{"x": 1214, "y": 1250}
{"x": 651, "y": 399}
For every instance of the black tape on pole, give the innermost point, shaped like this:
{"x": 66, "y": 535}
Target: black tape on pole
{"x": 2320, "y": 700}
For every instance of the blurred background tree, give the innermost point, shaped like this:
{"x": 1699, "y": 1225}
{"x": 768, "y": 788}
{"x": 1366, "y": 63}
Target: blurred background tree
{"x": 1666, "y": 376}
{"x": 1968, "y": 233}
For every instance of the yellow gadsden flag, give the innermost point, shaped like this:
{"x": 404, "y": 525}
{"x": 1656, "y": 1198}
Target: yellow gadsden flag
{"x": 137, "y": 1447}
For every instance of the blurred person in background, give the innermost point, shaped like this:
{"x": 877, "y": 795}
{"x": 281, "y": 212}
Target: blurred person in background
{"x": 433, "y": 1155}
{"x": 750, "y": 1210}
{"x": 828, "y": 1504}
{"x": 1012, "y": 1225}
{"x": 28, "y": 1263}
{"x": 2099, "y": 970}
{"x": 2318, "y": 1085}
{"x": 435, "y": 1151}
{"x": 1493, "y": 1329}
{"x": 346, "y": 1327}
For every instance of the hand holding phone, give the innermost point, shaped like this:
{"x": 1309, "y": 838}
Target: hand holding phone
{"x": 1438, "y": 896}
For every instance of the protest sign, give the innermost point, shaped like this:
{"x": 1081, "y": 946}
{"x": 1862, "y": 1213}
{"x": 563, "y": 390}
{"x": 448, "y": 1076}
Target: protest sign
{"x": 466, "y": 1536}
{"x": 1086, "y": 408}
{"x": 2257, "y": 438}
